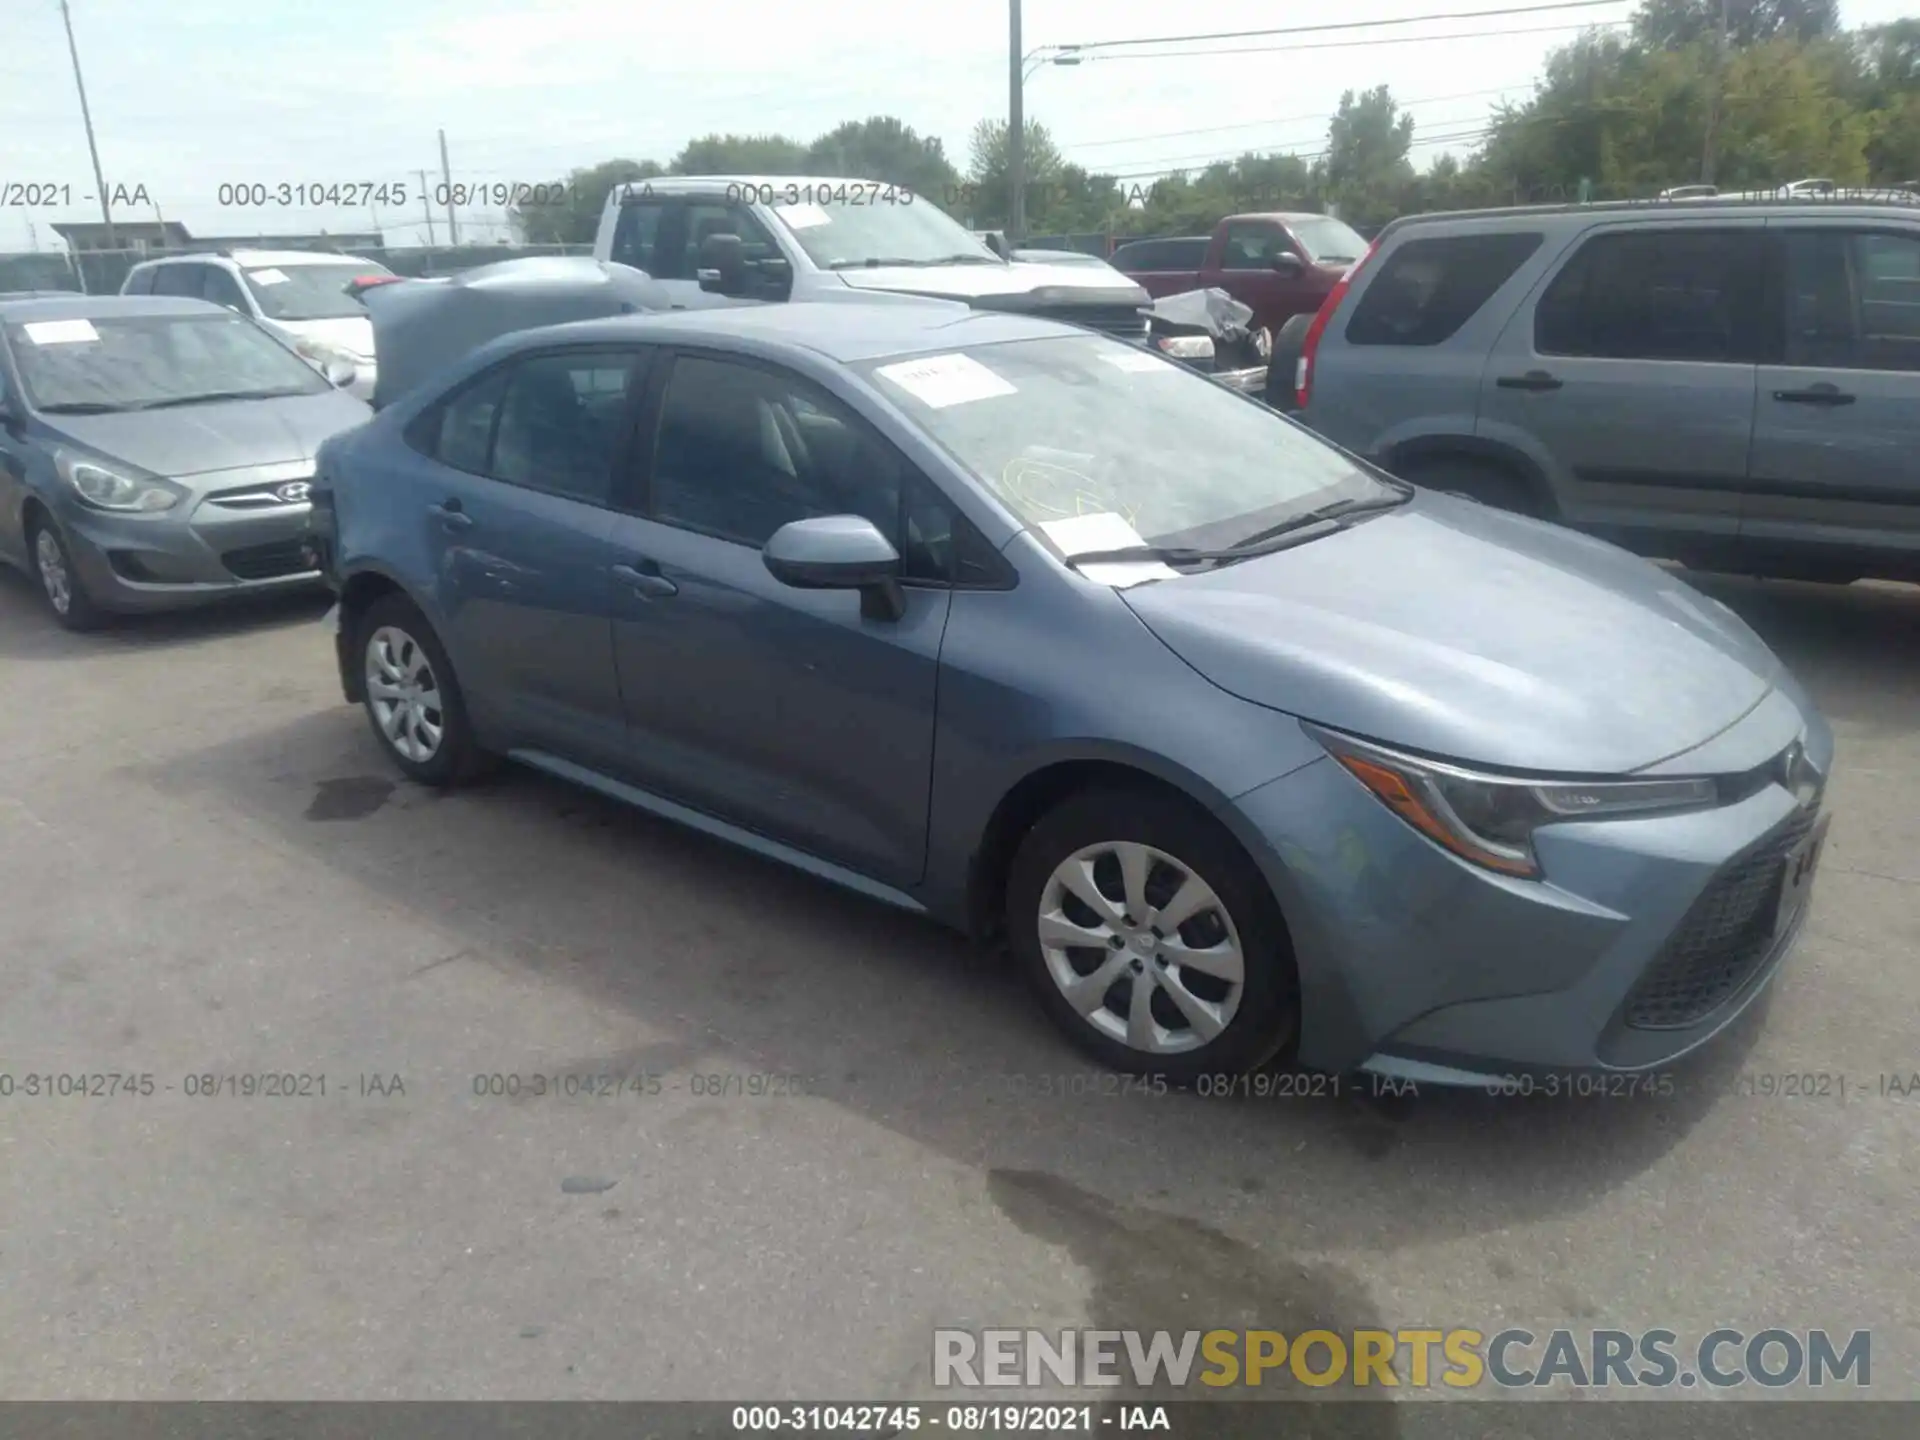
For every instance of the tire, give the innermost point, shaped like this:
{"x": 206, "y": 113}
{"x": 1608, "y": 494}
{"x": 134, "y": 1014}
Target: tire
{"x": 1475, "y": 480}
{"x": 59, "y": 581}
{"x": 1258, "y": 1017}
{"x": 413, "y": 700}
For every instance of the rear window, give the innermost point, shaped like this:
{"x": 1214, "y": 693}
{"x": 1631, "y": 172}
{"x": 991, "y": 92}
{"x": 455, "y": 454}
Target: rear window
{"x": 1427, "y": 289}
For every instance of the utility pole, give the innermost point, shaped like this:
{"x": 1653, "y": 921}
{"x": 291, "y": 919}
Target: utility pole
{"x": 446, "y": 176}
{"x": 86, "y": 115}
{"x": 1016, "y": 133}
{"x": 426, "y": 205}
{"x": 1719, "y": 86}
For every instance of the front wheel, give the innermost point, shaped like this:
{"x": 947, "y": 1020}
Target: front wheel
{"x": 1151, "y": 938}
{"x": 60, "y": 581}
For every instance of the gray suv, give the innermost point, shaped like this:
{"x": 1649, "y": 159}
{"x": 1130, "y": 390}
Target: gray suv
{"x": 1731, "y": 384}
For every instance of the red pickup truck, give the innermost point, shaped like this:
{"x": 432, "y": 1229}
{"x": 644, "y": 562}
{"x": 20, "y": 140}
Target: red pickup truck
{"x": 1279, "y": 265}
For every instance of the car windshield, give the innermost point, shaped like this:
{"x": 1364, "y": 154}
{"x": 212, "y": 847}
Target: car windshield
{"x": 309, "y": 292}
{"x": 1083, "y": 426}
{"x": 1328, "y": 241}
{"x": 134, "y": 362}
{"x": 869, "y": 229}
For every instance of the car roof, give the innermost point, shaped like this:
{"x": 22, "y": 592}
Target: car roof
{"x": 102, "y": 307}
{"x": 250, "y": 258}
{"x": 1848, "y": 204}
{"x": 1285, "y": 217}
{"x": 700, "y": 184}
{"x": 846, "y": 333}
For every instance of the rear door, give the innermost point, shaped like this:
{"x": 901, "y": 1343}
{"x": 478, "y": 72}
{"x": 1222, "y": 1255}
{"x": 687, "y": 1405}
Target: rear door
{"x": 517, "y": 507}
{"x": 1629, "y": 376}
{"x": 1836, "y": 450}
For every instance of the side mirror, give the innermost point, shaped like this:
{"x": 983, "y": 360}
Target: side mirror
{"x": 723, "y": 264}
{"x": 839, "y": 552}
{"x": 340, "y": 373}
{"x": 1287, "y": 263}
{"x": 997, "y": 242}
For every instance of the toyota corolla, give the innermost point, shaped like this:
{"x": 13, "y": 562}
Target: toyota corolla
{"x": 1244, "y": 747}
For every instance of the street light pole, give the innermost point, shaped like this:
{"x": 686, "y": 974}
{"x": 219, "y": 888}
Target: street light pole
{"x": 86, "y": 115}
{"x": 1016, "y": 131}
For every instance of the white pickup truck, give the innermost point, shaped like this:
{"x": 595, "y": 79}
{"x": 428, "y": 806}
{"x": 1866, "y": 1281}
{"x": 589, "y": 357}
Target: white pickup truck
{"x": 753, "y": 239}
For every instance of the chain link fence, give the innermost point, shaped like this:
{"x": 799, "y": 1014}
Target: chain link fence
{"x": 101, "y": 272}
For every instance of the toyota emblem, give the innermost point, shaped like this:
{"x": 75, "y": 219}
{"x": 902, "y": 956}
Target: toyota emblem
{"x": 294, "y": 491}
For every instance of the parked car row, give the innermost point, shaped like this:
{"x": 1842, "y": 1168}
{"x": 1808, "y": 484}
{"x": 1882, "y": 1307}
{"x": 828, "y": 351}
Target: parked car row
{"x": 1245, "y": 747}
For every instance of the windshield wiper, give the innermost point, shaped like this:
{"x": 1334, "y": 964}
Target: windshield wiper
{"x": 85, "y": 407}
{"x": 1297, "y": 530}
{"x": 874, "y": 262}
{"x": 213, "y": 395}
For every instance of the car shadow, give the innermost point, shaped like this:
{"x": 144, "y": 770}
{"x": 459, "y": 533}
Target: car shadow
{"x": 919, "y": 1030}
{"x": 29, "y": 632}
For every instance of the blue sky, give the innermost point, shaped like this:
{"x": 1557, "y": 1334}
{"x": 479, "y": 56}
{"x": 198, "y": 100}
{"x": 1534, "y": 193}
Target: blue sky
{"x": 189, "y": 94}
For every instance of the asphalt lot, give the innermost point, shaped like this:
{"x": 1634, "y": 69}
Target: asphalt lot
{"x": 208, "y": 868}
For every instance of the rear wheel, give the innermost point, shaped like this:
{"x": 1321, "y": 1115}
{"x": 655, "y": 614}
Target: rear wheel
{"x": 60, "y": 582}
{"x": 1475, "y": 480}
{"x": 1150, "y": 938}
{"x": 413, "y": 700}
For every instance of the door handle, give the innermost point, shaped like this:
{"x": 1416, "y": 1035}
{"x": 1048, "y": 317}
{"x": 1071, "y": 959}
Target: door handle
{"x": 452, "y": 518}
{"x": 1532, "y": 380}
{"x": 646, "y": 579}
{"x": 1821, "y": 394}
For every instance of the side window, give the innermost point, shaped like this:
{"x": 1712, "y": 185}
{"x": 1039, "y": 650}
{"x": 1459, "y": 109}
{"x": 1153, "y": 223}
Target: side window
{"x": 561, "y": 423}
{"x": 1657, "y": 295}
{"x": 182, "y": 280}
{"x": 1425, "y": 290}
{"x": 635, "y": 232}
{"x": 677, "y": 254}
{"x": 1252, "y": 244}
{"x": 743, "y": 451}
{"x": 459, "y": 432}
{"x": 1853, "y": 300}
{"x": 140, "y": 282}
{"x": 221, "y": 288}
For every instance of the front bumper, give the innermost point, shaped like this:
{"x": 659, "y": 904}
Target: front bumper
{"x": 240, "y": 540}
{"x": 1644, "y": 939}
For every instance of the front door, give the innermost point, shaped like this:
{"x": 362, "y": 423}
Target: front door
{"x": 782, "y": 710}
{"x": 1631, "y": 372}
{"x": 661, "y": 234}
{"x": 1836, "y": 449}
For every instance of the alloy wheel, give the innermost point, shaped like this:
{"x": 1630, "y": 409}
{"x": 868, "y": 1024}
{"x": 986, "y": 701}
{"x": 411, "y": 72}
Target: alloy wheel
{"x": 1141, "y": 947}
{"x": 51, "y": 561}
{"x": 404, "y": 694}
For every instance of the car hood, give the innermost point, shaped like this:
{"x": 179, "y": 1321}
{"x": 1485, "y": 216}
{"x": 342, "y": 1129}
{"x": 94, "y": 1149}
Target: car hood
{"x": 225, "y": 435}
{"x": 1048, "y": 284}
{"x": 1462, "y": 632}
{"x": 352, "y": 333}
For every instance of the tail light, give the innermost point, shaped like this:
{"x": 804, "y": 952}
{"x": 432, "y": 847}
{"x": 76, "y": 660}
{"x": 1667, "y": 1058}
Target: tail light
{"x": 1303, "y": 367}
{"x": 358, "y": 287}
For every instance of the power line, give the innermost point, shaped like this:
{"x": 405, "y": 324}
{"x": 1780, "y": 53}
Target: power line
{"x": 1461, "y": 138}
{"x": 1354, "y": 44}
{"x": 1281, "y": 119}
{"x": 1343, "y": 25}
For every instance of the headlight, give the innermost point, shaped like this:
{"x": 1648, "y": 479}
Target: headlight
{"x": 319, "y": 352}
{"x": 1491, "y": 819}
{"x": 1185, "y": 347}
{"x": 107, "y": 489}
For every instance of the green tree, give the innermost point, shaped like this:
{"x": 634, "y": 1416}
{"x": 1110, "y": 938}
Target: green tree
{"x": 741, "y": 155}
{"x": 887, "y": 150}
{"x": 1367, "y": 170}
{"x": 568, "y": 211}
{"x": 983, "y": 201}
{"x": 1666, "y": 24}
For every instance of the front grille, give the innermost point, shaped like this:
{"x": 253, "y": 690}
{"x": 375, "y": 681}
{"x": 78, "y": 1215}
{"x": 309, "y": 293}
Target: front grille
{"x": 1724, "y": 938}
{"x": 1124, "y": 321}
{"x": 269, "y": 562}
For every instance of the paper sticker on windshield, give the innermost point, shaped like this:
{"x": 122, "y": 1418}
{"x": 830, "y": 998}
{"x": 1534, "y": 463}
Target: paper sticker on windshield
{"x": 60, "y": 332}
{"x": 267, "y": 277}
{"x": 943, "y": 380}
{"x": 802, "y": 217}
{"x": 1090, "y": 534}
{"x": 1136, "y": 362}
